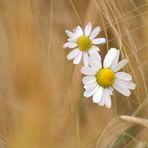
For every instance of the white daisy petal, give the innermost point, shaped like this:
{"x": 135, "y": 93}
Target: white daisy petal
{"x": 75, "y": 33}
{"x": 116, "y": 58}
{"x": 97, "y": 58}
{"x": 99, "y": 41}
{"x": 93, "y": 51}
{"x": 109, "y": 58}
{"x": 91, "y": 91}
{"x": 95, "y": 48}
{"x": 131, "y": 85}
{"x": 77, "y": 59}
{"x": 71, "y": 40}
{"x": 123, "y": 76}
{"x": 88, "y": 79}
{"x": 85, "y": 58}
{"x": 107, "y": 98}
{"x": 90, "y": 85}
{"x": 102, "y": 101}
{"x": 120, "y": 65}
{"x": 95, "y": 32}
{"x": 98, "y": 95}
{"x": 88, "y": 71}
{"x": 66, "y": 45}
{"x": 108, "y": 102}
{"x": 111, "y": 90}
{"x": 95, "y": 62}
{"x": 70, "y": 45}
{"x": 126, "y": 84}
{"x": 123, "y": 90}
{"x": 70, "y": 34}
{"x": 88, "y": 29}
{"x": 73, "y": 54}
{"x": 79, "y": 31}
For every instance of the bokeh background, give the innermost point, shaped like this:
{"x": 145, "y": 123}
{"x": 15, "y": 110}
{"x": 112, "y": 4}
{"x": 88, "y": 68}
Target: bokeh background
{"x": 41, "y": 94}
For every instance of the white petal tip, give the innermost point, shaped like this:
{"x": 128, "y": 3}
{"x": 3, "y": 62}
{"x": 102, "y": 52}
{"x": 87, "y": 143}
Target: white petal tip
{"x": 95, "y": 101}
{"x": 134, "y": 86}
{"x": 82, "y": 70}
{"x": 64, "y": 46}
{"x": 105, "y": 40}
{"x": 68, "y": 58}
{"x": 128, "y": 94}
{"x": 127, "y": 60}
{"x": 76, "y": 63}
{"x": 86, "y": 95}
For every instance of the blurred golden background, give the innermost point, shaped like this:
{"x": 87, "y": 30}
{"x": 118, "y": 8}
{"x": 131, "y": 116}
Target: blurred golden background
{"x": 41, "y": 103}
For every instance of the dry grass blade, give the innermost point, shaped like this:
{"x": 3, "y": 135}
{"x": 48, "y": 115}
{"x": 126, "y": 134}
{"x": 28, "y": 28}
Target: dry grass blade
{"x": 142, "y": 144}
{"x": 116, "y": 127}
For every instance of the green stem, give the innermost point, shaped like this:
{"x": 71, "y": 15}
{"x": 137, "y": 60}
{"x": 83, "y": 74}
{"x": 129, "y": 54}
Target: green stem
{"x": 69, "y": 91}
{"x": 78, "y": 110}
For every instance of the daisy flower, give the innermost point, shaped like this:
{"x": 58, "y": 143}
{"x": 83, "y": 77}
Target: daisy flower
{"x": 102, "y": 79}
{"x": 83, "y": 43}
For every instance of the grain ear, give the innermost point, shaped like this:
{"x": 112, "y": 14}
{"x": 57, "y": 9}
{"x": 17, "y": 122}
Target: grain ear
{"x": 116, "y": 127}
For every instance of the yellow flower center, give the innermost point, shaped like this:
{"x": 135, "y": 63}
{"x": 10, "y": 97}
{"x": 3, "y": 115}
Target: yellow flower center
{"x": 84, "y": 43}
{"x": 105, "y": 77}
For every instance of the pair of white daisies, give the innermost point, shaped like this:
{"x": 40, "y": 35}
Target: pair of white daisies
{"x": 100, "y": 77}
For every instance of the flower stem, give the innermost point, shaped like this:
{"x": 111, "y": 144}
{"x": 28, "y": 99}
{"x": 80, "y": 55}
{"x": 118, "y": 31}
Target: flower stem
{"x": 78, "y": 110}
{"x": 69, "y": 90}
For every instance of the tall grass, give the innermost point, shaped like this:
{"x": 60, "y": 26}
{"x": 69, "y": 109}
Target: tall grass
{"x": 40, "y": 91}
